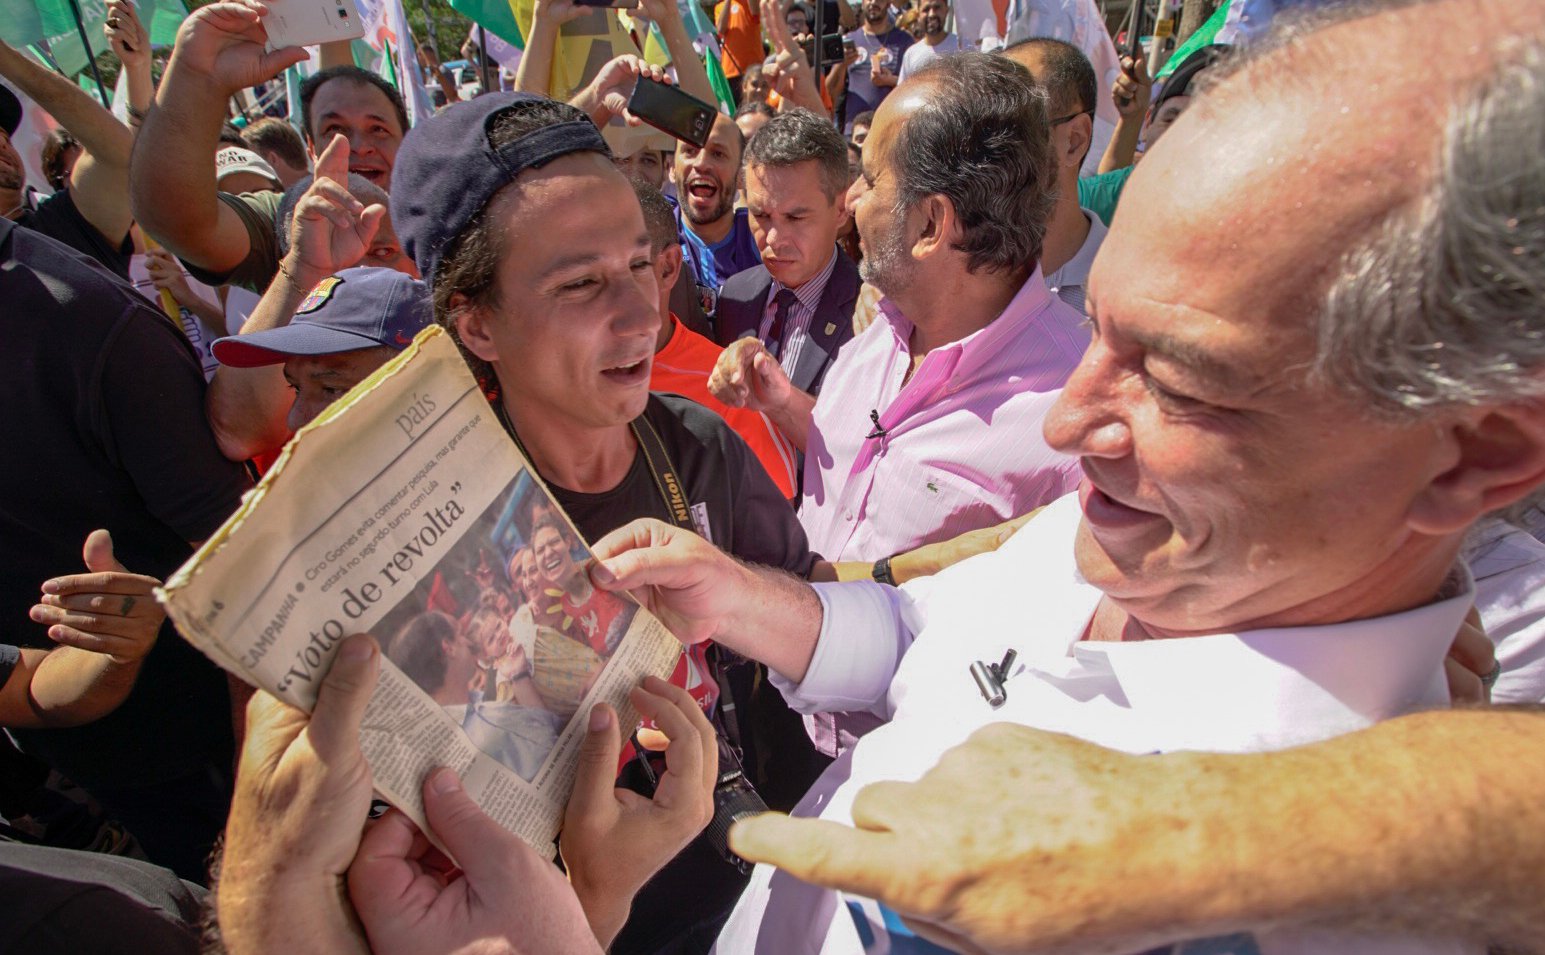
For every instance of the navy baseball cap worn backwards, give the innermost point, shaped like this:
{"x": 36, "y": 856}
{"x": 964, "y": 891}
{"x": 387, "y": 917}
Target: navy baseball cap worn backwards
{"x": 357, "y": 308}
{"x": 447, "y": 169}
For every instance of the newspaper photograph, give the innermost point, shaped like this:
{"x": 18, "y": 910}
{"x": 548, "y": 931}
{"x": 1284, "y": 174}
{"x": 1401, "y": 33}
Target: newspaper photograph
{"x": 405, "y": 511}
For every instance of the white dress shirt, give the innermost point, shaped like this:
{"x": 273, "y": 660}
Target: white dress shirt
{"x": 903, "y": 654}
{"x": 1509, "y": 569}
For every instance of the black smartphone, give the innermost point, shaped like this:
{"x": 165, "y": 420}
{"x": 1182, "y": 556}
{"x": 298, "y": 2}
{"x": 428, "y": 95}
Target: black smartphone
{"x": 669, "y": 110}
{"x": 831, "y": 48}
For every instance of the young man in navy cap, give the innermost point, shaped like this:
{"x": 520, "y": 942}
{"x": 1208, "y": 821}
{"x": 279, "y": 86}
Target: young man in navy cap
{"x": 540, "y": 263}
{"x": 348, "y": 326}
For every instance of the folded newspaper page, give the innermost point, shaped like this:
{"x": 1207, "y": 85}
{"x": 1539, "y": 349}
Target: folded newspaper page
{"x": 407, "y": 512}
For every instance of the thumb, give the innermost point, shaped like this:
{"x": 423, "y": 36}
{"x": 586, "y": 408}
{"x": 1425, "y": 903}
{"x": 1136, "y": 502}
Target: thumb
{"x": 341, "y": 701}
{"x": 98, "y": 553}
{"x": 596, "y": 772}
{"x": 480, "y": 847}
{"x": 769, "y": 373}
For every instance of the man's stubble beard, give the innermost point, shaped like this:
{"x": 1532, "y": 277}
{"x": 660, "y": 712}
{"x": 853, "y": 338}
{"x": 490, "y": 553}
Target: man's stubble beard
{"x": 886, "y": 264}
{"x": 724, "y": 207}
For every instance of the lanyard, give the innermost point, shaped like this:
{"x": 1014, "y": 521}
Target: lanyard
{"x": 656, "y": 458}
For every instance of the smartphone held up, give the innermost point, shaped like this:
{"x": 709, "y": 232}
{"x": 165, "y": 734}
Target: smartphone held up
{"x": 310, "y": 22}
{"x": 669, "y": 110}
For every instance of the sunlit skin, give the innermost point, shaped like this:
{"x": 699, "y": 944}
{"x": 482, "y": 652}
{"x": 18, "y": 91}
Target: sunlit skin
{"x": 1164, "y": 117}
{"x": 794, "y": 221}
{"x": 644, "y": 164}
{"x": 320, "y": 380}
{"x": 750, "y": 123}
{"x": 706, "y": 181}
{"x": 1224, "y": 489}
{"x": 572, "y": 328}
{"x": 367, "y": 118}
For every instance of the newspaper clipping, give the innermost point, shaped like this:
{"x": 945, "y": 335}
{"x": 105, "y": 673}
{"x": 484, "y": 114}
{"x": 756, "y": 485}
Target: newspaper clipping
{"x": 406, "y": 511}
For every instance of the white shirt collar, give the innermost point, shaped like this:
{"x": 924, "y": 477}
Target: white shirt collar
{"x": 1273, "y": 688}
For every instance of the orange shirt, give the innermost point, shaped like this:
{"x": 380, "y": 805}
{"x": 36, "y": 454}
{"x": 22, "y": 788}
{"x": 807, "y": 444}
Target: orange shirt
{"x": 682, "y": 368}
{"x": 741, "y": 40}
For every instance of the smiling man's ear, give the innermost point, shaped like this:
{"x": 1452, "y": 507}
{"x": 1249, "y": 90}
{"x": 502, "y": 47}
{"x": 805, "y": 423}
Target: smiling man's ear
{"x": 1501, "y": 460}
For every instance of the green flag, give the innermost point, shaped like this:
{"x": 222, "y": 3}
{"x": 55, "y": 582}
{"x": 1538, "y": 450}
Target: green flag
{"x": 495, "y": 16}
{"x": 51, "y": 24}
{"x": 1205, "y": 35}
{"x": 721, "y": 86}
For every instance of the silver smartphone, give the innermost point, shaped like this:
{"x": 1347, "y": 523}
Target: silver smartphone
{"x": 310, "y": 22}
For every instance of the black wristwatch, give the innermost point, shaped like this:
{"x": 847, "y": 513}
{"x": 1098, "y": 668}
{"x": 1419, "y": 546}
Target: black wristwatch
{"x": 881, "y": 571}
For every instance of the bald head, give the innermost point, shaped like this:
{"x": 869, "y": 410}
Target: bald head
{"x": 1370, "y": 213}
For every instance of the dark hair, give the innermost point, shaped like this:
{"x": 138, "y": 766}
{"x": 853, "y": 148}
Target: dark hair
{"x": 980, "y": 139}
{"x": 55, "y": 146}
{"x": 1066, "y": 74}
{"x": 314, "y": 82}
{"x": 418, "y": 649}
{"x": 231, "y": 136}
{"x": 470, "y": 262}
{"x": 280, "y": 138}
{"x": 659, "y": 217}
{"x": 798, "y": 135}
{"x": 866, "y": 118}
{"x": 754, "y": 107}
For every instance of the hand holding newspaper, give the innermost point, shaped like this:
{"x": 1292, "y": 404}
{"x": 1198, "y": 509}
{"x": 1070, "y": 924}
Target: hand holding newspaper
{"x": 406, "y": 511}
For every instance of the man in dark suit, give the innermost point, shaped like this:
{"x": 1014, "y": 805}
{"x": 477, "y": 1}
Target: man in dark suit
{"x": 797, "y": 306}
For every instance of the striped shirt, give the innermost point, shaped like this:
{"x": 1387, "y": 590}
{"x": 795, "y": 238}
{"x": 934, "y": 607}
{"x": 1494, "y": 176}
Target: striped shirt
{"x": 796, "y": 329}
{"x": 962, "y": 447}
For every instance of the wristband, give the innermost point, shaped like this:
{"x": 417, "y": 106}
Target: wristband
{"x": 881, "y": 571}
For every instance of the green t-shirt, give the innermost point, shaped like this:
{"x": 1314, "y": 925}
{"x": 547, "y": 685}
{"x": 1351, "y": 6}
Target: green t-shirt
{"x": 1099, "y": 194}
{"x": 258, "y": 212}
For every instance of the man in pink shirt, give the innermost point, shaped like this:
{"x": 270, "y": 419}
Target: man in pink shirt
{"x": 929, "y": 422}
{"x": 898, "y": 451}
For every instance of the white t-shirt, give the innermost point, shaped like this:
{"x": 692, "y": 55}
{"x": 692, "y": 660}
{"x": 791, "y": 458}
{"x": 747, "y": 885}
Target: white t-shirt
{"x": 922, "y": 51}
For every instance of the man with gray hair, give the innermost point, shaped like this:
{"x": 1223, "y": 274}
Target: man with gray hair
{"x": 797, "y": 306}
{"x": 1282, "y": 459}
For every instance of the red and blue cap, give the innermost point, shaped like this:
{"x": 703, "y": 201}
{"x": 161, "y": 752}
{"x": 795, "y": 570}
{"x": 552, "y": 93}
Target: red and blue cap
{"x": 357, "y": 308}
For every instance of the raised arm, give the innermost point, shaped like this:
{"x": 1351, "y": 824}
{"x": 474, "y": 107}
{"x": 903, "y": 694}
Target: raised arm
{"x": 534, "y": 75}
{"x": 691, "y": 75}
{"x": 1131, "y": 92}
{"x": 791, "y": 74}
{"x": 219, "y": 51}
{"x": 332, "y": 231}
{"x": 101, "y": 177}
{"x": 129, "y": 39}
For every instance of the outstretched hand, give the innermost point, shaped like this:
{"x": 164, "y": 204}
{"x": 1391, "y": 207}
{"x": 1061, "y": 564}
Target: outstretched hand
{"x": 107, "y": 610}
{"x": 332, "y": 230}
{"x": 225, "y": 43}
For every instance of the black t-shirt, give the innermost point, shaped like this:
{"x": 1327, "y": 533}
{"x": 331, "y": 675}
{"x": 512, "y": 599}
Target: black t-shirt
{"x": 9, "y": 657}
{"x": 104, "y": 427}
{"x": 58, "y": 218}
{"x": 736, "y": 506}
{"x": 85, "y": 903}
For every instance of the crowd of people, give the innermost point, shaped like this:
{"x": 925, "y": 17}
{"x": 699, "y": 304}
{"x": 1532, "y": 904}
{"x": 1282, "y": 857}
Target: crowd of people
{"x": 1166, "y": 581}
